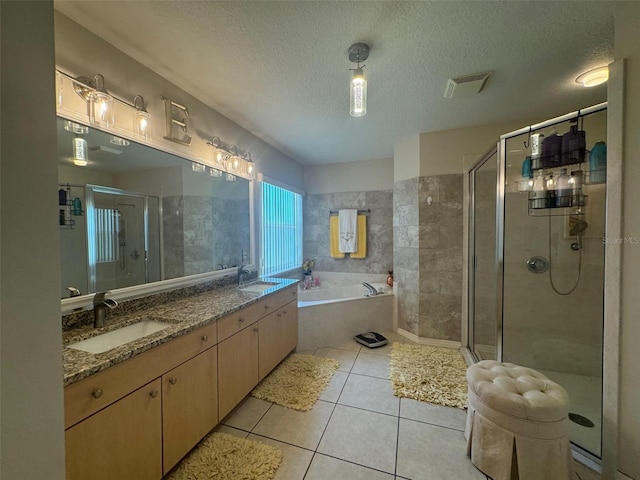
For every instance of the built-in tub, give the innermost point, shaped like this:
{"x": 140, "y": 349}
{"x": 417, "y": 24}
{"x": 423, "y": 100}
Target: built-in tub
{"x": 333, "y": 313}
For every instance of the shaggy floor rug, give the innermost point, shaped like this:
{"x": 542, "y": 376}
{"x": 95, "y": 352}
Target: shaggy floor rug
{"x": 221, "y": 456}
{"x": 297, "y": 382}
{"x": 430, "y": 374}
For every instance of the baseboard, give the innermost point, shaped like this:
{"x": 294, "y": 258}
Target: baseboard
{"x": 622, "y": 476}
{"x": 432, "y": 342}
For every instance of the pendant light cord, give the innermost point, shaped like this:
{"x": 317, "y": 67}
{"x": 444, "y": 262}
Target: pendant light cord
{"x": 577, "y": 281}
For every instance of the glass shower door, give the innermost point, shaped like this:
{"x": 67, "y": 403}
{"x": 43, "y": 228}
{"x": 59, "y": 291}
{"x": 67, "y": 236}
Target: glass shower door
{"x": 552, "y": 260}
{"x": 482, "y": 258}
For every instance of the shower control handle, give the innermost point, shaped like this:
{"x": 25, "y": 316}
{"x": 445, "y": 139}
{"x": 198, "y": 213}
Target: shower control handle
{"x": 537, "y": 264}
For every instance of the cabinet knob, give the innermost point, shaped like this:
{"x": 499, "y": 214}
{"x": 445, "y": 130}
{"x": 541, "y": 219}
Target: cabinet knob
{"x": 256, "y": 330}
{"x": 241, "y": 319}
{"x": 266, "y": 307}
{"x": 153, "y": 393}
{"x": 97, "y": 393}
{"x": 278, "y": 314}
{"x": 173, "y": 380}
{"x": 284, "y": 312}
{"x": 205, "y": 338}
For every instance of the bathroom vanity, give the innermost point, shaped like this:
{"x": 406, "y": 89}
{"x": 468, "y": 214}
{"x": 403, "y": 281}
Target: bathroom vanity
{"x": 135, "y": 410}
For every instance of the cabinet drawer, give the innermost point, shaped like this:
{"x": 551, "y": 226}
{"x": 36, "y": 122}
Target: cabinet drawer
{"x": 93, "y": 393}
{"x": 233, "y": 323}
{"x": 279, "y": 299}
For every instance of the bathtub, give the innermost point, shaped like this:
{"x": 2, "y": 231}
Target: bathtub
{"x": 336, "y": 311}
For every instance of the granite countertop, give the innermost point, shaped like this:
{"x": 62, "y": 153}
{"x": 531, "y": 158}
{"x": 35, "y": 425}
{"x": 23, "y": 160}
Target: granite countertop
{"x": 183, "y": 315}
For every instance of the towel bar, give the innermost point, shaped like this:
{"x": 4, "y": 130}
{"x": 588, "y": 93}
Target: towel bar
{"x": 360, "y": 211}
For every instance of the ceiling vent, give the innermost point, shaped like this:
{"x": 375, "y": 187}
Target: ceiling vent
{"x": 466, "y": 85}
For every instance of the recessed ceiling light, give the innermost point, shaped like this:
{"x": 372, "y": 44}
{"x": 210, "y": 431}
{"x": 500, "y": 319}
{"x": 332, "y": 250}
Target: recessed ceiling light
{"x": 594, "y": 77}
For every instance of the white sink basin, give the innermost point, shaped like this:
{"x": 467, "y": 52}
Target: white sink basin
{"x": 258, "y": 287}
{"x": 115, "y": 338}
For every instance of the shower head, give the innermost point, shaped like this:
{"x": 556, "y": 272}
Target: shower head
{"x": 577, "y": 226}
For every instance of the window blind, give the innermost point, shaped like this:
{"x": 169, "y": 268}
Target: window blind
{"x": 107, "y": 237}
{"x": 281, "y": 245}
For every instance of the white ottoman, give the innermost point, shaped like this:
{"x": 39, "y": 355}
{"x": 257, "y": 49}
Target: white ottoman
{"x": 517, "y": 423}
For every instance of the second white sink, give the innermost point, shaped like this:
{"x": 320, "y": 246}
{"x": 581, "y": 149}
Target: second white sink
{"x": 115, "y": 338}
{"x": 258, "y": 287}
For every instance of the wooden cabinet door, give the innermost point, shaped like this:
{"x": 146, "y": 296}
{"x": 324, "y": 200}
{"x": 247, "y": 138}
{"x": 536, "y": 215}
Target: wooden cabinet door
{"x": 237, "y": 368}
{"x": 269, "y": 343}
{"x": 123, "y": 440}
{"x": 189, "y": 405}
{"x": 289, "y": 328}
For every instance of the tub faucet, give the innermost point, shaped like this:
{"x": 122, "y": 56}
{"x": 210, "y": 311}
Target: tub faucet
{"x": 100, "y": 306}
{"x": 371, "y": 291}
{"x": 241, "y": 273}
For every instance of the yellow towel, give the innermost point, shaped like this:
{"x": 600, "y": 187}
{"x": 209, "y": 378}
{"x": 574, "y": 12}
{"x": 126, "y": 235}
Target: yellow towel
{"x": 362, "y": 238}
{"x": 334, "y": 241}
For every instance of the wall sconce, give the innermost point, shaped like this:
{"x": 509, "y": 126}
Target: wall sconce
{"x": 98, "y": 99}
{"x": 358, "y": 52}
{"x": 80, "y": 151}
{"x": 141, "y": 124}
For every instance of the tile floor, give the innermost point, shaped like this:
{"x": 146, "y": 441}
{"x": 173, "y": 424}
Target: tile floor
{"x": 359, "y": 430}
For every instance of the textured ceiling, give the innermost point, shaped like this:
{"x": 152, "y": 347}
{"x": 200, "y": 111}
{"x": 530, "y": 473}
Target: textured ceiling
{"x": 280, "y": 68}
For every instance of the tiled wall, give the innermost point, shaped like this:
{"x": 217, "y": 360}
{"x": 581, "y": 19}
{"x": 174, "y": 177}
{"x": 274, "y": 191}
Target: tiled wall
{"x": 208, "y": 232}
{"x": 379, "y": 230}
{"x": 428, "y": 255}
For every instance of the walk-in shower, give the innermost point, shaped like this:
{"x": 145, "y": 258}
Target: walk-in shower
{"x": 536, "y": 284}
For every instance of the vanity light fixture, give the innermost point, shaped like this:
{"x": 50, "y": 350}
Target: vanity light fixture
{"x": 74, "y": 127}
{"x": 233, "y": 162}
{"x": 250, "y": 166}
{"x": 358, "y": 52}
{"x": 141, "y": 126}
{"x": 98, "y": 99}
{"x": 121, "y": 142}
{"x": 80, "y": 151}
{"x": 596, "y": 76}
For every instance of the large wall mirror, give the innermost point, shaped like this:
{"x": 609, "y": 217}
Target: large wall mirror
{"x": 135, "y": 215}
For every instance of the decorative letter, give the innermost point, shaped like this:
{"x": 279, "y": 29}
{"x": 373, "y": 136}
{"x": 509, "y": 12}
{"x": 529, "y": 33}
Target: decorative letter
{"x": 171, "y": 121}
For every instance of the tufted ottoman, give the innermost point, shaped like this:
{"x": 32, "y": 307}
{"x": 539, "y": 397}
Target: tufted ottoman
{"x": 517, "y": 423}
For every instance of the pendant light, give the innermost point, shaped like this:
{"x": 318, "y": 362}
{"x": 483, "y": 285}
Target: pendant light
{"x": 358, "y": 52}
{"x": 80, "y": 151}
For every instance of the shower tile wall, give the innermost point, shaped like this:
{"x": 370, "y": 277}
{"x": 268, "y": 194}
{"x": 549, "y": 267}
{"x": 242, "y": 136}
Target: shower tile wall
{"x": 428, "y": 255}
{"x": 379, "y": 257}
{"x": 204, "y": 227}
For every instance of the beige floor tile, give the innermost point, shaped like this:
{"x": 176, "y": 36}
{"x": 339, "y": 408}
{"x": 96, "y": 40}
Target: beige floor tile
{"x": 295, "y": 460}
{"x": 333, "y": 390}
{"x": 231, "y": 431}
{"x": 427, "y": 451}
{"x": 247, "y": 414}
{"x": 373, "y": 365}
{"x": 369, "y": 393}
{"x": 362, "y": 437}
{"x": 435, "y": 414}
{"x": 303, "y": 429}
{"x": 323, "y": 468}
{"x": 345, "y": 357}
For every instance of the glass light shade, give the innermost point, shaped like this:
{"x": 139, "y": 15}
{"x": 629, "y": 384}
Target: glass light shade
{"x": 594, "y": 77}
{"x": 250, "y": 168}
{"x": 142, "y": 123}
{"x": 358, "y": 94}
{"x": 230, "y": 177}
{"x": 197, "y": 167}
{"x": 214, "y": 172}
{"x": 101, "y": 109}
{"x": 80, "y": 152}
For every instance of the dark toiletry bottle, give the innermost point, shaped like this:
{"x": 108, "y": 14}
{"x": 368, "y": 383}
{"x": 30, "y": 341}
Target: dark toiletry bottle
{"x": 62, "y": 197}
{"x": 574, "y": 144}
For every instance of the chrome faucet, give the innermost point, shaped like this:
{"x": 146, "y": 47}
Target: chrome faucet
{"x": 371, "y": 291}
{"x": 100, "y": 306}
{"x": 241, "y": 273}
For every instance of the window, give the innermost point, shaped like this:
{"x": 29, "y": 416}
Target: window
{"x": 108, "y": 237}
{"x": 281, "y": 245}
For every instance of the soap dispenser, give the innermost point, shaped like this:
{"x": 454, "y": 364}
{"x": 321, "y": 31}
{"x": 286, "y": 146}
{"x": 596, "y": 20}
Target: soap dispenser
{"x": 538, "y": 196}
{"x": 563, "y": 189}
